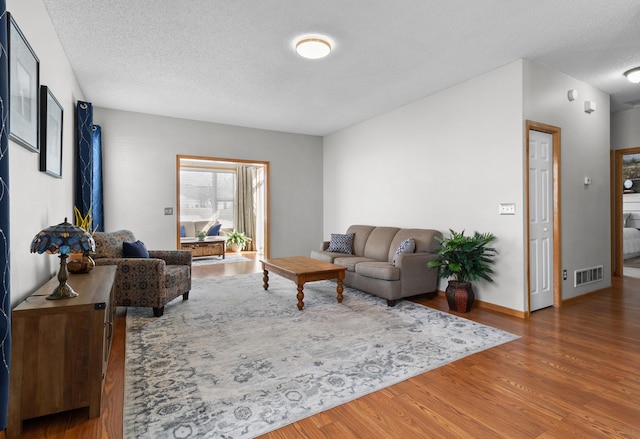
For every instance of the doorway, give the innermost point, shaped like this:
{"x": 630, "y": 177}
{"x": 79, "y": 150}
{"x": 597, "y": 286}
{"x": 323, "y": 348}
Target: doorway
{"x": 230, "y": 192}
{"x": 626, "y": 188}
{"x": 543, "y": 214}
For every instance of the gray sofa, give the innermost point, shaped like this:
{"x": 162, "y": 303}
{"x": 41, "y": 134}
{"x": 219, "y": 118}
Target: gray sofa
{"x": 370, "y": 268}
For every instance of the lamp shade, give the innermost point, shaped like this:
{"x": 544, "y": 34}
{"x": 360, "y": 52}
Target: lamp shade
{"x": 63, "y": 238}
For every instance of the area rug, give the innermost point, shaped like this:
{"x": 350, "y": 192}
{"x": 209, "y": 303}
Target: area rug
{"x": 632, "y": 262}
{"x": 236, "y": 361}
{"x": 228, "y": 259}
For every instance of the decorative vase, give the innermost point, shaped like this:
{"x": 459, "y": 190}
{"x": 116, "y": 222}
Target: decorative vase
{"x": 460, "y": 296}
{"x": 80, "y": 264}
{"x": 233, "y": 247}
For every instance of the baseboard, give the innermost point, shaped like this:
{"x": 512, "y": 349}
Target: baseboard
{"x": 582, "y": 296}
{"x": 498, "y": 308}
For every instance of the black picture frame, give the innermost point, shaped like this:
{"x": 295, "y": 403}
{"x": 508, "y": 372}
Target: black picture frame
{"x": 24, "y": 83}
{"x": 51, "y": 127}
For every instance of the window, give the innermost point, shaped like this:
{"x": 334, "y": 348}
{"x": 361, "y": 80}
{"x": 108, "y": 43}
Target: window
{"x": 207, "y": 194}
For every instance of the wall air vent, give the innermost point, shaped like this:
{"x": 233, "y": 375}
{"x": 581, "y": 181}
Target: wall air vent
{"x": 587, "y": 276}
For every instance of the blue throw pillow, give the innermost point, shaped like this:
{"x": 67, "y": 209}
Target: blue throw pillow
{"x": 406, "y": 246}
{"x": 183, "y": 232}
{"x": 214, "y": 230}
{"x": 341, "y": 243}
{"x": 134, "y": 250}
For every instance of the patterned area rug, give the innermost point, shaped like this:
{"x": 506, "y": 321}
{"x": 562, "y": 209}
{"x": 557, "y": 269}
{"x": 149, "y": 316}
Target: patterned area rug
{"x": 228, "y": 258}
{"x": 236, "y": 361}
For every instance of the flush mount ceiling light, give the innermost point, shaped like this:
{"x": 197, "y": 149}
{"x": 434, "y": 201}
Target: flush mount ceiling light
{"x": 313, "y": 47}
{"x": 633, "y": 75}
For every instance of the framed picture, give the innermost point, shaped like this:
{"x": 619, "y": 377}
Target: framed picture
{"x": 50, "y": 133}
{"x": 24, "y": 80}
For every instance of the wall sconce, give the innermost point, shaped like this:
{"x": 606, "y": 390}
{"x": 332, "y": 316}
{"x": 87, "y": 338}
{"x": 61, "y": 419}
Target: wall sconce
{"x": 589, "y": 107}
{"x": 572, "y": 95}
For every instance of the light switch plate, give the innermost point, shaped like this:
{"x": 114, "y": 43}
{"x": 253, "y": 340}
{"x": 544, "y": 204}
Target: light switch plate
{"x": 168, "y": 210}
{"x": 507, "y": 208}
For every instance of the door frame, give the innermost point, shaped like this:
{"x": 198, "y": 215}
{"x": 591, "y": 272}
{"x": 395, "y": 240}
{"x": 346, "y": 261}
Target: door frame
{"x": 617, "y": 181}
{"x": 557, "y": 247}
{"x": 267, "y": 205}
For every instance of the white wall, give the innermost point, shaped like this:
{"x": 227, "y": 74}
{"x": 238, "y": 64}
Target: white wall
{"x": 139, "y": 166}
{"x": 447, "y": 160}
{"x": 38, "y": 200}
{"x": 586, "y": 209}
{"x": 625, "y": 129}
{"x": 444, "y": 161}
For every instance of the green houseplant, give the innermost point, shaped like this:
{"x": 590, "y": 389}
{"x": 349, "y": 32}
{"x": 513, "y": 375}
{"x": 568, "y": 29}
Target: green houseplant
{"x": 81, "y": 263}
{"x": 237, "y": 241}
{"x": 465, "y": 259}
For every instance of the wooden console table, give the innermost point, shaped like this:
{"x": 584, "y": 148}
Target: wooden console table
{"x": 60, "y": 348}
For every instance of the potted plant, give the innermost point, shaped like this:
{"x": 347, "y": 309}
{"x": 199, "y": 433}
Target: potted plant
{"x": 237, "y": 241}
{"x": 465, "y": 259}
{"x": 201, "y": 235}
{"x": 81, "y": 263}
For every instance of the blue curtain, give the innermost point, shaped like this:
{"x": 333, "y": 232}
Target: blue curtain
{"x": 5, "y": 305}
{"x": 89, "y": 168}
{"x": 96, "y": 207}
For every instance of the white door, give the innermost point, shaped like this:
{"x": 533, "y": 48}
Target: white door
{"x": 540, "y": 219}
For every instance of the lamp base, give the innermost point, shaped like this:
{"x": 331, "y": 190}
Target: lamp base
{"x": 62, "y": 291}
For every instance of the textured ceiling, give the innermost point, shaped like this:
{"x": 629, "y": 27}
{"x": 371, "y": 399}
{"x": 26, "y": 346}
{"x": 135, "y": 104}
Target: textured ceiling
{"x": 232, "y": 61}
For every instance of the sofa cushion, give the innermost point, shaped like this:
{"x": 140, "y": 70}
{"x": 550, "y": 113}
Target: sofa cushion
{"x": 134, "y": 250}
{"x": 351, "y": 261}
{"x": 378, "y": 270}
{"x": 183, "y": 231}
{"x": 341, "y": 243}
{"x": 214, "y": 230}
{"x": 378, "y": 244}
{"x": 361, "y": 234}
{"x": 189, "y": 228}
{"x": 406, "y": 246}
{"x": 326, "y": 256}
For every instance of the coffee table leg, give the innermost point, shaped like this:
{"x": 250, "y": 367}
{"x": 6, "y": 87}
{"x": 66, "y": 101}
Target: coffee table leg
{"x": 339, "y": 289}
{"x": 265, "y": 279}
{"x": 300, "y": 297}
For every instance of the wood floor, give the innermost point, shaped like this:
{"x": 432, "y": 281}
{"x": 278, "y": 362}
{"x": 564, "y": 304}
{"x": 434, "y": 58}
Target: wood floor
{"x": 574, "y": 373}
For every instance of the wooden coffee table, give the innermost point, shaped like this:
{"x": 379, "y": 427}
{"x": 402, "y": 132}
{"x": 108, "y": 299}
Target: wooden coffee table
{"x": 301, "y": 269}
{"x": 210, "y": 246}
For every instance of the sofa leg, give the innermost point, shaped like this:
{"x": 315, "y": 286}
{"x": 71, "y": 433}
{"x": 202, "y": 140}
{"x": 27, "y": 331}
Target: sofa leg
{"x": 391, "y": 302}
{"x": 157, "y": 312}
{"x": 185, "y": 296}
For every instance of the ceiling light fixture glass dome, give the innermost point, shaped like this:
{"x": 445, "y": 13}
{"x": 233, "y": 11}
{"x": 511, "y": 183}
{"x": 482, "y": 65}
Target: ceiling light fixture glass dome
{"x": 313, "y": 47}
{"x": 633, "y": 75}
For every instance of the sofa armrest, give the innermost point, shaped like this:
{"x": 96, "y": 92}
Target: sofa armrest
{"x": 416, "y": 276}
{"x": 172, "y": 257}
{"x": 414, "y": 261}
{"x": 107, "y": 261}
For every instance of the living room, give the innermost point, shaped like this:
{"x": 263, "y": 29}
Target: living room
{"x": 415, "y": 146}
{"x": 444, "y": 161}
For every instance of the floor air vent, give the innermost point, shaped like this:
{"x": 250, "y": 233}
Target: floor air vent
{"x": 587, "y": 276}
